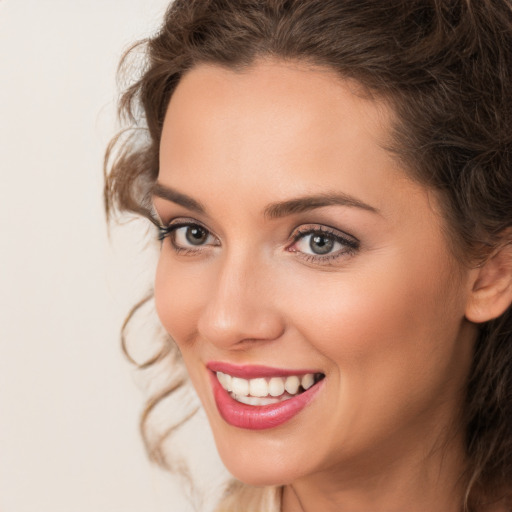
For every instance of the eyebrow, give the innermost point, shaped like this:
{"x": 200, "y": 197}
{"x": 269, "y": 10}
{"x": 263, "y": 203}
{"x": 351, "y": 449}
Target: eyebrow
{"x": 174, "y": 196}
{"x": 273, "y": 210}
{"x": 306, "y": 203}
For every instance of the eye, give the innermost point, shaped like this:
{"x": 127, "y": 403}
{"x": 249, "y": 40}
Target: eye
{"x": 318, "y": 244}
{"x": 191, "y": 235}
{"x": 187, "y": 236}
{"x": 321, "y": 243}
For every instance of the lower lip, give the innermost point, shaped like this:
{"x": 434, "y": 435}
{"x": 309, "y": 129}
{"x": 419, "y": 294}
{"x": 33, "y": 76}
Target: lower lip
{"x": 254, "y": 417}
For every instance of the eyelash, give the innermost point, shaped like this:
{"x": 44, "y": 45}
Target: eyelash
{"x": 170, "y": 230}
{"x": 350, "y": 244}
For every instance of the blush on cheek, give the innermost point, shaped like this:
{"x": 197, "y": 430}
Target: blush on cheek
{"x": 172, "y": 300}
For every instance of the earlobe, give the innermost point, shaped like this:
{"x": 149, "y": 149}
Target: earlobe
{"x": 491, "y": 292}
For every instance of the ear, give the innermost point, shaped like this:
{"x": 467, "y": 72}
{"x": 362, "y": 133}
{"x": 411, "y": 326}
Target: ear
{"x": 491, "y": 292}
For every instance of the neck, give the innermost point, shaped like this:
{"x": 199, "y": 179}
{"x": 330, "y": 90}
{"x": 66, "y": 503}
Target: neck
{"x": 410, "y": 482}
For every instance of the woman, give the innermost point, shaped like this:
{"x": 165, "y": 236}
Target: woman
{"x": 332, "y": 184}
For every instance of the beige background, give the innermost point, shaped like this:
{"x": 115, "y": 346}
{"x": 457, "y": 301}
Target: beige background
{"x": 69, "y": 403}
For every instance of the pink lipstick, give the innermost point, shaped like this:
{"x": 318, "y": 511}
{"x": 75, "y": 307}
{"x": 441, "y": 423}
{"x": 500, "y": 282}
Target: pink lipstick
{"x": 259, "y": 417}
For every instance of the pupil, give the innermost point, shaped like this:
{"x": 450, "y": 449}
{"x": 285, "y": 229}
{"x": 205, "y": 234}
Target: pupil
{"x": 320, "y": 244}
{"x": 196, "y": 235}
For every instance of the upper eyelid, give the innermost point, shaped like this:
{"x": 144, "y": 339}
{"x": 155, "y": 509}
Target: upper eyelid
{"x": 156, "y": 215}
{"x": 186, "y": 221}
{"x": 182, "y": 222}
{"x": 302, "y": 230}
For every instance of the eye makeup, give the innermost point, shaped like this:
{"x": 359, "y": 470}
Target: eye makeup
{"x": 311, "y": 242}
{"x": 325, "y": 243}
{"x": 187, "y": 236}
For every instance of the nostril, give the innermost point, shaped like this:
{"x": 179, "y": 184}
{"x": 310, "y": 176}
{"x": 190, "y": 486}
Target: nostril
{"x": 240, "y": 325}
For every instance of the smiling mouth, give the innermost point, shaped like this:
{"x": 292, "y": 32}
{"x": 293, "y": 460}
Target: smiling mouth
{"x": 267, "y": 390}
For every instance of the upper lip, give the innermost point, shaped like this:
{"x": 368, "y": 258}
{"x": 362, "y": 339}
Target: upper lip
{"x": 247, "y": 371}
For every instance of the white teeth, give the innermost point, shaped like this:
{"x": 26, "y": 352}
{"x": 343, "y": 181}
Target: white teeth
{"x": 240, "y": 386}
{"x": 292, "y": 384}
{"x": 253, "y": 400}
{"x": 308, "y": 380}
{"x": 225, "y": 380}
{"x": 276, "y": 386}
{"x": 258, "y": 387}
{"x": 263, "y": 391}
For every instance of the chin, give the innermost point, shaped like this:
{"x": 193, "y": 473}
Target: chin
{"x": 258, "y": 466}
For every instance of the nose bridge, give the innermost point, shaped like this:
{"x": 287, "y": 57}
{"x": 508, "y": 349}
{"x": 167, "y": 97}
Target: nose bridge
{"x": 240, "y": 306}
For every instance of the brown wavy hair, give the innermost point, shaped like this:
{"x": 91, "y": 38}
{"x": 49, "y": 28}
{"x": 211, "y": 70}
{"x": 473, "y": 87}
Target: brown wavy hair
{"x": 445, "y": 67}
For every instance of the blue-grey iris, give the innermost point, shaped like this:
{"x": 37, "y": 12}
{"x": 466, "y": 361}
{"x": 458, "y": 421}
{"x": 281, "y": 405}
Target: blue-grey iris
{"x": 196, "y": 235}
{"x": 321, "y": 244}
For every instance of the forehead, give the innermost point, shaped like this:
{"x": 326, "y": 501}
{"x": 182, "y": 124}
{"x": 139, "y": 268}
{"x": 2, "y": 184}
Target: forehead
{"x": 273, "y": 120}
{"x": 278, "y": 94}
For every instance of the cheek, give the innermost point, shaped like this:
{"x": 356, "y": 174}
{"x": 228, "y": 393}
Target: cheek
{"x": 391, "y": 335}
{"x": 178, "y": 291}
{"x": 393, "y": 304}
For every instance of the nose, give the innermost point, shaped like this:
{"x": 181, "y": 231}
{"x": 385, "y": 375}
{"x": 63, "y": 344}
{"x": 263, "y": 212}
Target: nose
{"x": 240, "y": 306}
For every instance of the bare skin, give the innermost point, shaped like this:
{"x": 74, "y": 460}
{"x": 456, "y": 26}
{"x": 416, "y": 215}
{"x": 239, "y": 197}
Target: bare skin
{"x": 382, "y": 314}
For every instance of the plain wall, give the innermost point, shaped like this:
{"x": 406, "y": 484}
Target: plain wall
{"x": 69, "y": 405}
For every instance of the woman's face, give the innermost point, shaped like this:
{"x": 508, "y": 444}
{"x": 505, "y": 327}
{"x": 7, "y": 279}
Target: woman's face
{"x": 300, "y": 254}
